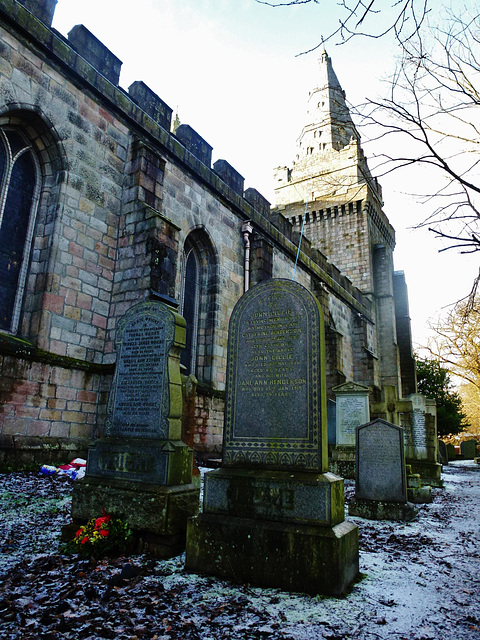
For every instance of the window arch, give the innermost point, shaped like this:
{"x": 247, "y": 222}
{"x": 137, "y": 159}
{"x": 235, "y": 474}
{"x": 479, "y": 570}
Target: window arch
{"x": 199, "y": 281}
{"x": 19, "y": 196}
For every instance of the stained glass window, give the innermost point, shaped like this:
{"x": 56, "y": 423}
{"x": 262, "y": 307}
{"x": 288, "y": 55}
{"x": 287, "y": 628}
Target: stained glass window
{"x": 18, "y": 199}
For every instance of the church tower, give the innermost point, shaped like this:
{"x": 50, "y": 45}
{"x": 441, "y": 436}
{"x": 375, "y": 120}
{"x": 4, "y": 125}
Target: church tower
{"x": 330, "y": 193}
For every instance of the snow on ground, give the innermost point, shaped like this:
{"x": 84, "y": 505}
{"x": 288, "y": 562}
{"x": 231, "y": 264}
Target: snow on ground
{"x": 419, "y": 580}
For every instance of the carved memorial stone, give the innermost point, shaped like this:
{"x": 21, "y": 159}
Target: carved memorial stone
{"x": 141, "y": 470}
{"x": 421, "y": 442}
{"x": 272, "y": 514}
{"x": 274, "y": 417}
{"x": 468, "y": 449}
{"x": 380, "y": 479}
{"x": 352, "y": 410}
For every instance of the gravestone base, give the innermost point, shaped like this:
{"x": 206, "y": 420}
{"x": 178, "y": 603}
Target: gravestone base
{"x": 342, "y": 461}
{"x": 294, "y": 496}
{"x": 289, "y": 556}
{"x": 420, "y": 495}
{"x": 381, "y": 510}
{"x": 146, "y": 460}
{"x": 275, "y": 528}
{"x": 156, "y": 514}
{"x": 430, "y": 472}
{"x": 416, "y": 492}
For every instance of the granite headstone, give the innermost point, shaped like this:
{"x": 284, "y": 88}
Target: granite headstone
{"x": 380, "y": 472}
{"x": 451, "y": 454}
{"x": 272, "y": 514}
{"x": 468, "y": 449}
{"x": 352, "y": 410}
{"x": 143, "y": 423}
{"x": 274, "y": 416}
{"x": 332, "y": 421}
{"x": 140, "y": 470}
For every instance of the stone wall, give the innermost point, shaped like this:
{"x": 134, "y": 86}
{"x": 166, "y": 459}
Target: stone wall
{"x": 50, "y": 407}
{"x": 121, "y": 198}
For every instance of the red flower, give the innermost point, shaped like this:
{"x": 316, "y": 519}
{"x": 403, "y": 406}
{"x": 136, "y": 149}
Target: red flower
{"x": 79, "y": 533}
{"x": 99, "y": 522}
{"x": 85, "y": 539}
{"x": 104, "y": 532}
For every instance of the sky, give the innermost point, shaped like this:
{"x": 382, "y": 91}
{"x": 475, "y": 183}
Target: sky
{"x": 236, "y": 72}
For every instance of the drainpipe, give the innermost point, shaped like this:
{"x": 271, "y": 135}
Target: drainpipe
{"x": 247, "y": 231}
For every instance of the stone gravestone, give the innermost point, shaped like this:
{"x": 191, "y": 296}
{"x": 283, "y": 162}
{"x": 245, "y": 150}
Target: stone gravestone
{"x": 272, "y": 514}
{"x": 442, "y": 452}
{"x": 380, "y": 479}
{"x": 141, "y": 471}
{"x": 451, "y": 452}
{"x": 421, "y": 442}
{"x": 468, "y": 449}
{"x": 332, "y": 421}
{"x": 352, "y": 410}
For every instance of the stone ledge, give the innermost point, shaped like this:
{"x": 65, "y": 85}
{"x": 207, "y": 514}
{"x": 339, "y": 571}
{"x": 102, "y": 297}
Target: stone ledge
{"x": 280, "y": 496}
{"x": 430, "y": 472}
{"x": 158, "y": 510}
{"x": 378, "y": 510}
{"x": 19, "y": 348}
{"x": 17, "y": 452}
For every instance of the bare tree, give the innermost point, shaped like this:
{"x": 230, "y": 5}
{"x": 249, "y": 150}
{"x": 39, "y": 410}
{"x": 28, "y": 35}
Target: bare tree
{"x": 367, "y": 18}
{"x": 433, "y": 110}
{"x": 430, "y": 119}
{"x": 471, "y": 404}
{"x": 455, "y": 342}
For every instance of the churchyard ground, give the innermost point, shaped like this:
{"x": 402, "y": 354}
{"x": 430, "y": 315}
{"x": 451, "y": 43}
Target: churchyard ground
{"x": 419, "y": 580}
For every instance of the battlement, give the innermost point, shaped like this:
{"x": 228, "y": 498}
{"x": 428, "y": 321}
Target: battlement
{"x": 42, "y": 9}
{"x": 86, "y": 59}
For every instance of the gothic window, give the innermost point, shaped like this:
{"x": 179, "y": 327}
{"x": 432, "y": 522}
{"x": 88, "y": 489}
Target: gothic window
{"x": 19, "y": 193}
{"x": 198, "y": 304}
{"x": 191, "y": 299}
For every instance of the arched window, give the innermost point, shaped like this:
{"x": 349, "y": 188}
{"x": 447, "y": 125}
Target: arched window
{"x": 198, "y": 304}
{"x": 19, "y": 193}
{"x": 191, "y": 303}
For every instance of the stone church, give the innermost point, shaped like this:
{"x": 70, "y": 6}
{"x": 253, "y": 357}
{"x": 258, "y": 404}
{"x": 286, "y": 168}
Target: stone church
{"x": 106, "y": 203}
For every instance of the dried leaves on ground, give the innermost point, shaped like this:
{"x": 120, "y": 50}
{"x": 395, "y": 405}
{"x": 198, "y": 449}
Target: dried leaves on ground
{"x": 419, "y": 580}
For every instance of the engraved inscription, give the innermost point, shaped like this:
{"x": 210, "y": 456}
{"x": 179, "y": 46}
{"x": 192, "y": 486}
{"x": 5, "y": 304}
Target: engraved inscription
{"x": 273, "y": 382}
{"x": 352, "y": 411}
{"x": 124, "y": 462}
{"x": 275, "y": 379}
{"x": 273, "y": 368}
{"x": 419, "y": 429}
{"x": 140, "y": 379}
{"x": 380, "y": 463}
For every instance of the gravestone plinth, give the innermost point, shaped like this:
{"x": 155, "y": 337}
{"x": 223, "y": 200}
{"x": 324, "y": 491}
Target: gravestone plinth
{"x": 352, "y": 410}
{"x": 141, "y": 471}
{"x": 421, "y": 442}
{"x": 272, "y": 514}
{"x": 380, "y": 478}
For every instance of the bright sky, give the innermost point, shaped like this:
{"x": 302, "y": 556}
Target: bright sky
{"x": 231, "y": 69}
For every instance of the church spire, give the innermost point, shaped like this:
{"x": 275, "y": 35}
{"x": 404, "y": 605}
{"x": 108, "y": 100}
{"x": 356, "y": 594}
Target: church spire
{"x": 328, "y": 124}
{"x": 329, "y": 159}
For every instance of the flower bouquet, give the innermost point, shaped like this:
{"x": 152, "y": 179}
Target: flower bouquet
{"x": 100, "y": 537}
